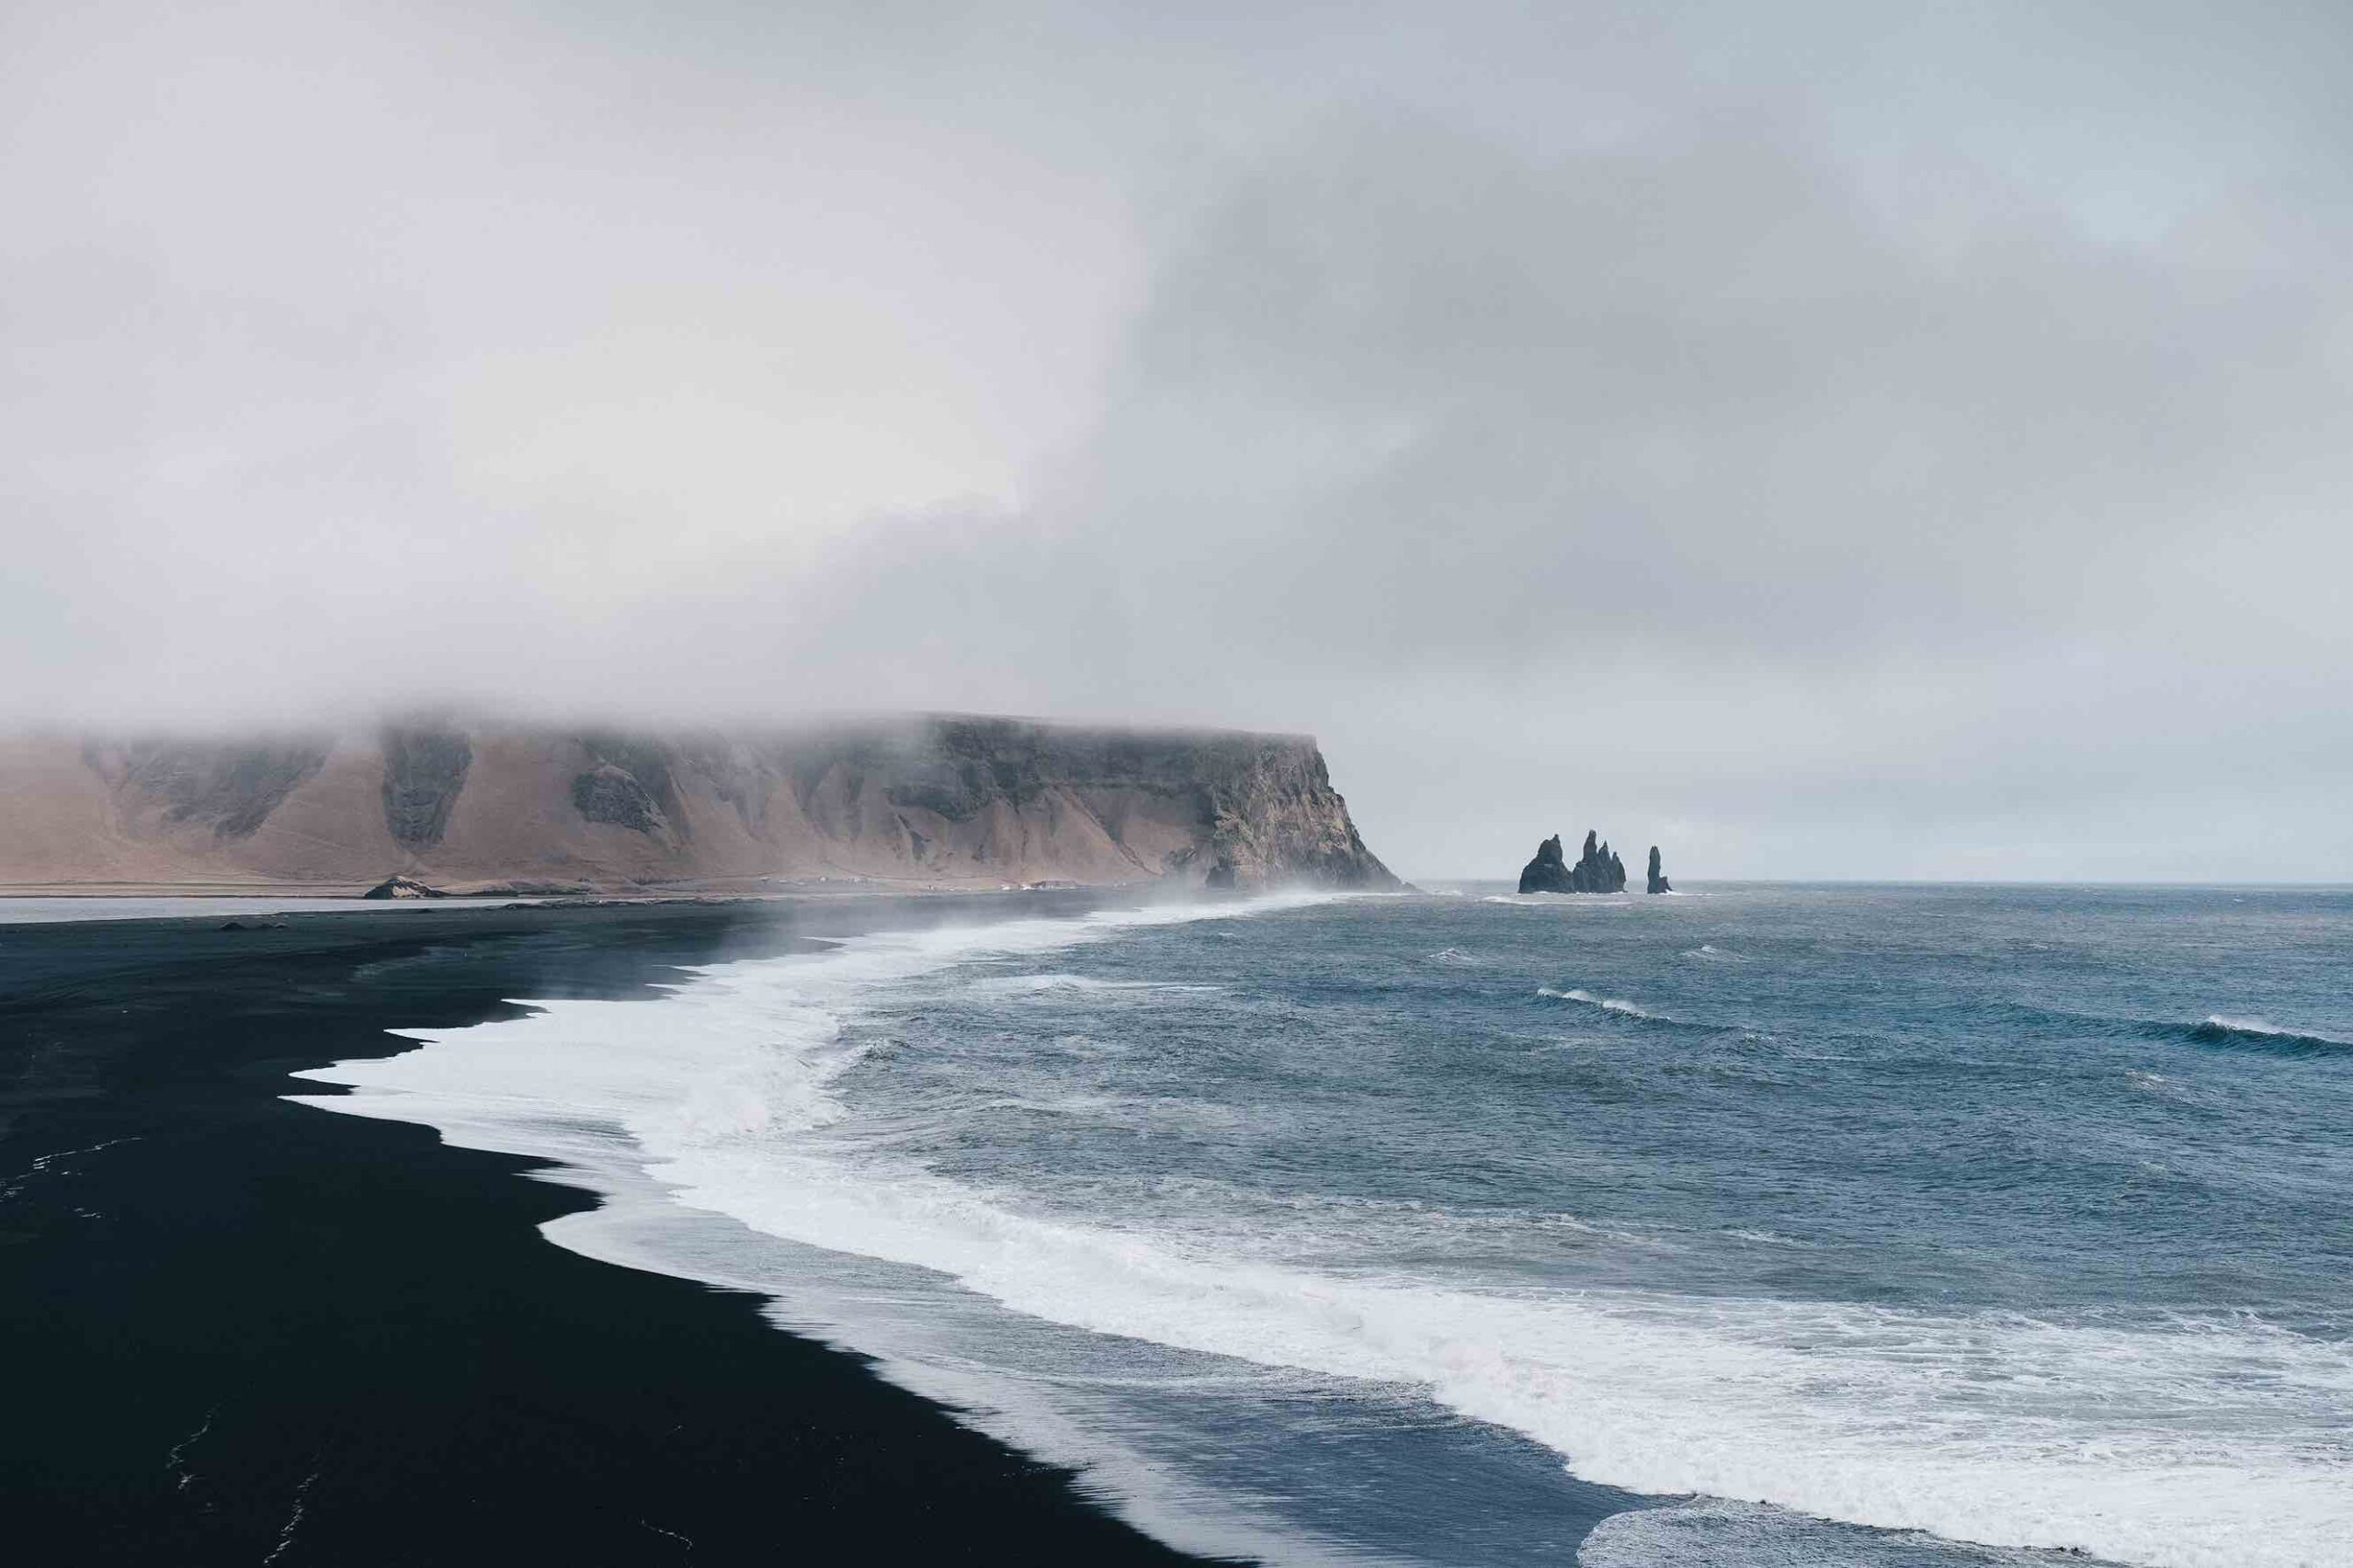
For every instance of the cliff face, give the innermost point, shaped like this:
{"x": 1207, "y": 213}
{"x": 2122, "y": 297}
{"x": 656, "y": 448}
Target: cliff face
{"x": 928, "y": 800}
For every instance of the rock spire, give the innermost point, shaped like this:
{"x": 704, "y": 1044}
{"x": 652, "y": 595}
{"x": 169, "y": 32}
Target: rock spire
{"x": 1598, "y": 870}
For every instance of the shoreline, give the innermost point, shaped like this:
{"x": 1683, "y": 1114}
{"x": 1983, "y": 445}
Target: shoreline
{"x": 752, "y": 889}
{"x": 246, "y": 1328}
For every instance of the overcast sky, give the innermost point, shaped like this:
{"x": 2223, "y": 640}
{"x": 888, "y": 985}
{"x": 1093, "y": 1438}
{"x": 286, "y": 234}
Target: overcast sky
{"x": 1823, "y": 442}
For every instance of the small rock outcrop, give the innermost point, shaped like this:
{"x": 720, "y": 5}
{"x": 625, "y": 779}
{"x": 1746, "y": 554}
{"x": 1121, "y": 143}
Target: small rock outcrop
{"x": 1598, "y": 870}
{"x": 1658, "y": 882}
{"x": 403, "y": 887}
{"x": 1549, "y": 873}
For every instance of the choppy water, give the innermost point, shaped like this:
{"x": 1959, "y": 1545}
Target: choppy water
{"x": 1434, "y": 1229}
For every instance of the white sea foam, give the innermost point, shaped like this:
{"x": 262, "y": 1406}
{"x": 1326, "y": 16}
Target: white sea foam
{"x": 2264, "y": 1026}
{"x": 1716, "y": 1533}
{"x": 2197, "y": 1444}
{"x": 1085, "y": 984}
{"x": 1608, "y": 1004}
{"x": 2015, "y": 1432}
{"x": 1562, "y": 900}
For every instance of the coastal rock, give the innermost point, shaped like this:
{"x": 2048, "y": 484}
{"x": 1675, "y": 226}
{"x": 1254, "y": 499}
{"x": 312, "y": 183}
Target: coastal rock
{"x": 403, "y": 887}
{"x": 1598, "y": 870}
{"x": 1549, "y": 873}
{"x": 1658, "y": 882}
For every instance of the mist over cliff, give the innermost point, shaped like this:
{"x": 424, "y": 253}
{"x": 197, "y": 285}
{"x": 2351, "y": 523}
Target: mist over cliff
{"x": 931, "y": 800}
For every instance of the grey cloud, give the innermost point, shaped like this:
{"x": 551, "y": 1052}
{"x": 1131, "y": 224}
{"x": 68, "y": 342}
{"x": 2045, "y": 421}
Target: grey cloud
{"x": 1712, "y": 376}
{"x": 1842, "y": 445}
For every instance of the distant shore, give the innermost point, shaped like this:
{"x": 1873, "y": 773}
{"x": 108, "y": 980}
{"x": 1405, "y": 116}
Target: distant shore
{"x": 729, "y": 890}
{"x": 242, "y": 1330}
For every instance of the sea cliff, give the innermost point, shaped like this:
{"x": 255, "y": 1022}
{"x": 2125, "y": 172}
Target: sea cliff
{"x": 930, "y": 800}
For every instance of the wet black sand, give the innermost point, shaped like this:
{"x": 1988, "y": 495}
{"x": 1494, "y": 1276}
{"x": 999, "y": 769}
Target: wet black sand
{"x": 238, "y": 1330}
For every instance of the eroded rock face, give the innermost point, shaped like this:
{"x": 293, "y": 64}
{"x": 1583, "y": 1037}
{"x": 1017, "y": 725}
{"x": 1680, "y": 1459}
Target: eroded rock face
{"x": 1598, "y": 870}
{"x": 633, "y": 785}
{"x": 425, "y": 770}
{"x": 1273, "y": 816}
{"x": 229, "y": 786}
{"x": 1657, "y": 877}
{"x": 610, "y": 793}
{"x": 966, "y": 794}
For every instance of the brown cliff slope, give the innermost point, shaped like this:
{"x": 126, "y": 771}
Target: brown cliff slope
{"x": 936, "y": 800}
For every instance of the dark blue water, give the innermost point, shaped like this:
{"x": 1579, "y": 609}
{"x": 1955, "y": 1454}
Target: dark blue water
{"x": 1435, "y": 1229}
{"x": 1950, "y": 1097}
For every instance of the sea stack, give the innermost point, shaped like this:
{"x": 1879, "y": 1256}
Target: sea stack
{"x": 1549, "y": 873}
{"x": 1598, "y": 870}
{"x": 1658, "y": 882}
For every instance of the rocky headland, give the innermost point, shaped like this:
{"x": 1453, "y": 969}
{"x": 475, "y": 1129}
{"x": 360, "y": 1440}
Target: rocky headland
{"x": 935, "y": 801}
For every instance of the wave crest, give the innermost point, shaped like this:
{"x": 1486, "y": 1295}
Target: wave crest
{"x": 2262, "y": 1034}
{"x": 1618, "y": 1006}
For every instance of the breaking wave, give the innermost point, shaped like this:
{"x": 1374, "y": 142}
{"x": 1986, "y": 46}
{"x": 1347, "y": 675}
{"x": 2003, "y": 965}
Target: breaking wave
{"x": 1619, "y": 1006}
{"x": 1713, "y": 1533}
{"x": 1606, "y": 1003}
{"x": 1561, "y": 900}
{"x": 1081, "y": 984}
{"x": 2218, "y": 1030}
{"x": 2262, "y": 1034}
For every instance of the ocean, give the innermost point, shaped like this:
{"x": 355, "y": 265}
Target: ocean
{"x": 1751, "y": 1225}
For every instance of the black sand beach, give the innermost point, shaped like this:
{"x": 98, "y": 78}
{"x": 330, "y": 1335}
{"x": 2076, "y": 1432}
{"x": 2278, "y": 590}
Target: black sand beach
{"x": 241, "y": 1331}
